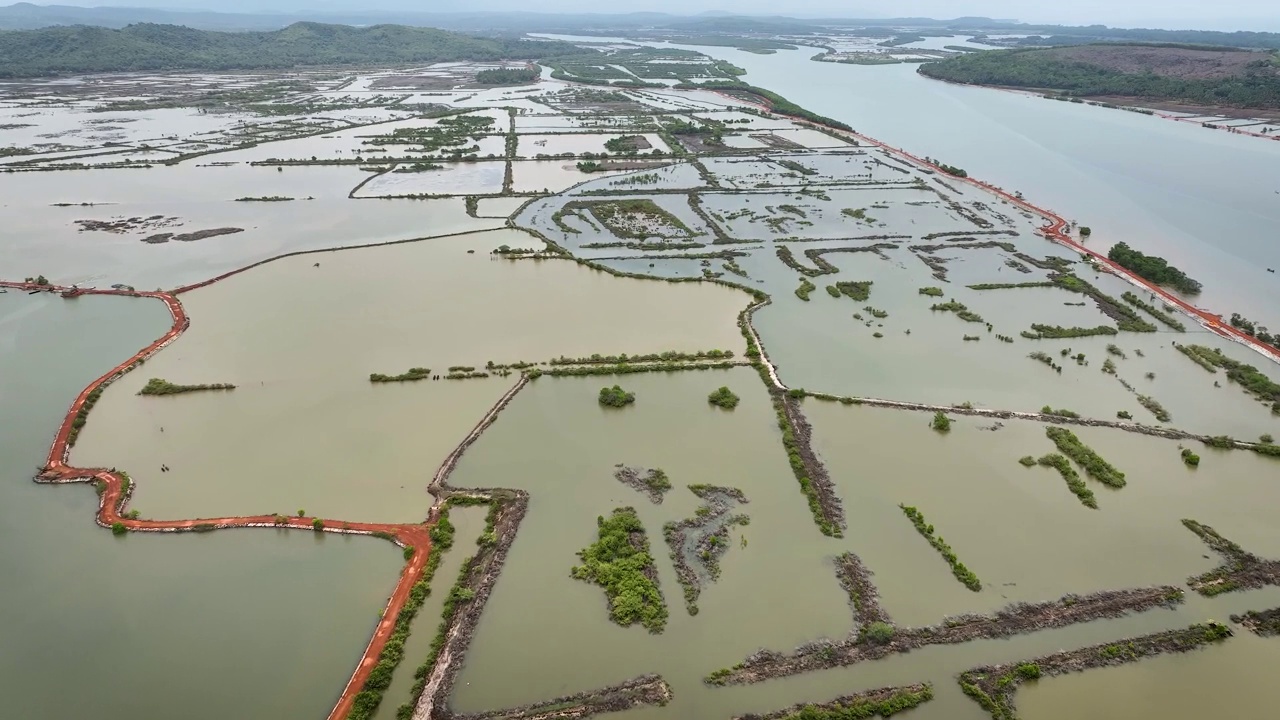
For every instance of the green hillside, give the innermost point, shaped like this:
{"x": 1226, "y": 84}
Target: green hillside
{"x": 1198, "y": 75}
{"x": 149, "y": 47}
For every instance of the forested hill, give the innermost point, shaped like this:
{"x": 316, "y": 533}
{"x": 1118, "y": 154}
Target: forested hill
{"x": 1187, "y": 74}
{"x": 149, "y": 47}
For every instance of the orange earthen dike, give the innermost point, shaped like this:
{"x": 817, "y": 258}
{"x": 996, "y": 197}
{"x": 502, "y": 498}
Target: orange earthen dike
{"x": 417, "y": 536}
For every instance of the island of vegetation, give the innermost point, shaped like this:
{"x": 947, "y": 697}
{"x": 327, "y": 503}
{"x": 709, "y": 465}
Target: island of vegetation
{"x": 160, "y": 386}
{"x": 619, "y": 561}
{"x": 1208, "y": 76}
{"x": 723, "y": 398}
{"x": 616, "y": 397}
{"x": 412, "y": 375}
{"x": 507, "y": 76}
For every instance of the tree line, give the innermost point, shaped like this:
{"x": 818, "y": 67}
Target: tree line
{"x": 1257, "y": 86}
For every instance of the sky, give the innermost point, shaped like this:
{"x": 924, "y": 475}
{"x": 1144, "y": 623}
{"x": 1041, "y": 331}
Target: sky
{"x": 1197, "y": 14}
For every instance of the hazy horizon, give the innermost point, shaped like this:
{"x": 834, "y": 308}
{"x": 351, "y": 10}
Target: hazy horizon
{"x": 1172, "y": 14}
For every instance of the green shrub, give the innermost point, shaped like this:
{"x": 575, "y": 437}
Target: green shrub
{"x": 723, "y": 398}
{"x": 879, "y": 633}
{"x": 616, "y": 397}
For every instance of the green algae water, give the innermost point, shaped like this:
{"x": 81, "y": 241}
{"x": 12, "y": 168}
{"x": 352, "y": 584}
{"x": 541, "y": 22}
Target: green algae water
{"x": 240, "y": 623}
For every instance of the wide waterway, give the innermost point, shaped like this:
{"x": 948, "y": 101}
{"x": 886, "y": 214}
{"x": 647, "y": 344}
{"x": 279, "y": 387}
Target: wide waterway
{"x": 152, "y": 625}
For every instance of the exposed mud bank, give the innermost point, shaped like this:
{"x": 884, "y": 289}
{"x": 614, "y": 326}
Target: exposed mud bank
{"x": 652, "y": 483}
{"x": 636, "y": 692}
{"x": 881, "y": 702}
{"x": 819, "y": 487}
{"x": 698, "y": 543}
{"x": 993, "y": 686}
{"x": 855, "y": 578}
{"x": 479, "y": 579}
{"x": 1160, "y": 432}
{"x": 1265, "y": 623}
{"x": 1014, "y": 619}
{"x": 1242, "y": 570}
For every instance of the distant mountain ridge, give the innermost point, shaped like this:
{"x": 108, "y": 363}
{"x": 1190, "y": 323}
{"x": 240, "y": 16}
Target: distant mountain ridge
{"x": 152, "y": 47}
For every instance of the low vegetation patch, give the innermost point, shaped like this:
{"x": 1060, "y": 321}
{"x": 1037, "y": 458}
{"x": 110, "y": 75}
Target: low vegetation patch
{"x": 882, "y": 702}
{"x": 993, "y": 686}
{"x": 1155, "y": 407}
{"x": 859, "y": 290}
{"x": 1068, "y": 473}
{"x": 411, "y": 375}
{"x": 1160, "y": 315}
{"x": 1247, "y": 376}
{"x": 962, "y": 573}
{"x": 805, "y": 288}
{"x": 1093, "y": 463}
{"x": 931, "y": 291}
{"x": 959, "y": 309}
{"x": 1057, "y": 332}
{"x": 159, "y": 386}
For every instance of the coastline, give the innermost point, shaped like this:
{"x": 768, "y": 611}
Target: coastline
{"x": 1104, "y": 101}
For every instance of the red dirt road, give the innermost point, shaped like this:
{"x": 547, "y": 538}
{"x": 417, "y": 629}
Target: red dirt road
{"x": 114, "y": 496}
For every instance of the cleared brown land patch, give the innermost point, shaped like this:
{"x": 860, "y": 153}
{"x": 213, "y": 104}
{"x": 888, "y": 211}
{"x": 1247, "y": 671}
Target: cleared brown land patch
{"x": 1183, "y": 63}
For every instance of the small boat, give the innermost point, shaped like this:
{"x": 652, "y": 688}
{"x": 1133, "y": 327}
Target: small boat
{"x": 1270, "y": 270}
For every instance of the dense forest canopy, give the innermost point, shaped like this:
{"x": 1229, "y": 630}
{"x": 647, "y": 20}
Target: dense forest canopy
{"x": 1154, "y": 268}
{"x": 1241, "y": 79}
{"x": 148, "y": 47}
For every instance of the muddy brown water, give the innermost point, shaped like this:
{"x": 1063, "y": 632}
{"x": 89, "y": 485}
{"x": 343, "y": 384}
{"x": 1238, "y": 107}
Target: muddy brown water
{"x": 307, "y": 428}
{"x": 137, "y": 626}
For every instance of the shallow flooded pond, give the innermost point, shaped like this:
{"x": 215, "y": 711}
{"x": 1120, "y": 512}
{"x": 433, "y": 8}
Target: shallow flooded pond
{"x": 141, "y": 624}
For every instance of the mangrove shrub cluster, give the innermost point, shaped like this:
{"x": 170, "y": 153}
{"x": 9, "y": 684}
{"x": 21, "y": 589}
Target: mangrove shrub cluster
{"x": 619, "y": 561}
{"x": 723, "y": 398}
{"x": 413, "y": 374}
{"x": 1093, "y": 463}
{"x": 160, "y": 386}
{"x": 616, "y": 397}
{"x": 1153, "y": 268}
{"x": 507, "y": 76}
{"x": 962, "y": 573}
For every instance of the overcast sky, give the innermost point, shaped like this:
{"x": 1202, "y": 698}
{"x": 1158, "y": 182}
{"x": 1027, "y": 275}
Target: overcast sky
{"x": 1199, "y": 14}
